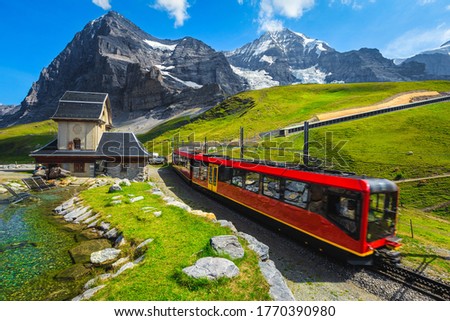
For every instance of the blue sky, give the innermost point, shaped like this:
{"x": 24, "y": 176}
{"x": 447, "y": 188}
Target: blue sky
{"x": 33, "y": 32}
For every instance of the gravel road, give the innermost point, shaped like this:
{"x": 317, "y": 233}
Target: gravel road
{"x": 310, "y": 275}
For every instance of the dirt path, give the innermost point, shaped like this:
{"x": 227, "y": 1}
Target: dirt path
{"x": 396, "y": 100}
{"x": 422, "y": 178}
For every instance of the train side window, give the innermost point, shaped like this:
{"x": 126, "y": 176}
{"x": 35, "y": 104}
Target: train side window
{"x": 196, "y": 169}
{"x": 271, "y": 186}
{"x": 203, "y": 172}
{"x": 225, "y": 174}
{"x": 252, "y": 182}
{"x": 296, "y": 193}
{"x": 343, "y": 208}
{"x": 238, "y": 177}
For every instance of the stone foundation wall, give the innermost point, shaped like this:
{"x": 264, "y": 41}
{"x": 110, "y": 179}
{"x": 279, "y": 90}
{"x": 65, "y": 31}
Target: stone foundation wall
{"x": 130, "y": 172}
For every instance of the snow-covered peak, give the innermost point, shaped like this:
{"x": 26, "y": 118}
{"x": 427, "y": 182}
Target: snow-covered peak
{"x": 282, "y": 42}
{"x": 443, "y": 50}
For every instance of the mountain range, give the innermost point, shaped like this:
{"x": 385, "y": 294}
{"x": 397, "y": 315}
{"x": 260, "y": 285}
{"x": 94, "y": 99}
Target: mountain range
{"x": 150, "y": 79}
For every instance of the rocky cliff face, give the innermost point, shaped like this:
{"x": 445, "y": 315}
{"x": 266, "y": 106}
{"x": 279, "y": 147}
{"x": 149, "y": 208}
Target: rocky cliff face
{"x": 142, "y": 74}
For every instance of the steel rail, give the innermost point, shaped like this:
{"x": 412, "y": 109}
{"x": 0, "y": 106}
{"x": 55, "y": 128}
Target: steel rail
{"x": 437, "y": 290}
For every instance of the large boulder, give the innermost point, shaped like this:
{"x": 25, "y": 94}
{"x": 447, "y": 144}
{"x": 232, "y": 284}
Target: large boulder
{"x": 115, "y": 188}
{"x": 82, "y": 252}
{"x": 212, "y": 268}
{"x": 228, "y": 245}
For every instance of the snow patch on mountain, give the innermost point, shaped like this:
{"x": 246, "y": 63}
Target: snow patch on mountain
{"x": 269, "y": 59}
{"x": 312, "y": 75}
{"x": 160, "y": 46}
{"x": 257, "y": 79}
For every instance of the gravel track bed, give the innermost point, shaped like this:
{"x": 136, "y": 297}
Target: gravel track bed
{"x": 310, "y": 275}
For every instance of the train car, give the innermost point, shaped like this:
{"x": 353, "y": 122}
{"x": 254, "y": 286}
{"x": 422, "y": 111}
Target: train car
{"x": 352, "y": 217}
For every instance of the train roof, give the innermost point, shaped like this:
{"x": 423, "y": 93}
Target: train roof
{"x": 301, "y": 172}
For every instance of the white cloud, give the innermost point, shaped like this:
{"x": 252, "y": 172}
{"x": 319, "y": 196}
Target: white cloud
{"x": 447, "y": 8}
{"x": 176, "y": 8}
{"x": 270, "y": 9}
{"x": 355, "y": 4}
{"x": 104, "y": 4}
{"x": 416, "y": 41}
{"x": 425, "y": 2}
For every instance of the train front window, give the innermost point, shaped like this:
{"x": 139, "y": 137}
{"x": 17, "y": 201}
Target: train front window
{"x": 382, "y": 215}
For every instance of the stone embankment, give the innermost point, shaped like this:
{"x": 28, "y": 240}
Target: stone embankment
{"x": 103, "y": 246}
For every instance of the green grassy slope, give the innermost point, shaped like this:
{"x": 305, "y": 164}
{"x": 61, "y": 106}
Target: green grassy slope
{"x": 272, "y": 108}
{"x": 404, "y": 144}
{"x": 180, "y": 239}
{"x": 17, "y": 142}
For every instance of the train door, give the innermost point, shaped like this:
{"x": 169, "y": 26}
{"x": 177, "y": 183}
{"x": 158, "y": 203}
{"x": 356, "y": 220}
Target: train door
{"x": 213, "y": 173}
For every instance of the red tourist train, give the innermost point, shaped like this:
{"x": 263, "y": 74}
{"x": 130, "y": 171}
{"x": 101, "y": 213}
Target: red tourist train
{"x": 351, "y": 216}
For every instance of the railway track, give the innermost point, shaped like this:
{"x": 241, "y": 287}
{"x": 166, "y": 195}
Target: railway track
{"x": 435, "y": 289}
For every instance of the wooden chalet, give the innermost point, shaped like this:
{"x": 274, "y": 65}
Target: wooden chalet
{"x": 84, "y": 146}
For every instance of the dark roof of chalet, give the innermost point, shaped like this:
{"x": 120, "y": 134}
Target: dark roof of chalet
{"x": 110, "y": 145}
{"x": 126, "y": 144}
{"x": 80, "y": 105}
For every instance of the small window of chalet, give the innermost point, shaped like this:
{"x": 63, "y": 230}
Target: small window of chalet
{"x": 77, "y": 143}
{"x": 271, "y": 186}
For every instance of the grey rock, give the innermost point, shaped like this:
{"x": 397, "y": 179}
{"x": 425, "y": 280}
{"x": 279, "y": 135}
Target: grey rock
{"x": 228, "y": 224}
{"x": 146, "y": 242}
{"x": 75, "y": 213}
{"x": 120, "y": 262}
{"x": 212, "y": 268}
{"x": 91, "y": 219}
{"x": 93, "y": 224}
{"x": 125, "y": 182}
{"x": 112, "y": 234}
{"x": 116, "y": 202}
{"x": 115, "y": 188}
{"x": 258, "y": 247}
{"x": 124, "y": 267}
{"x": 102, "y": 277}
{"x": 142, "y": 248}
{"x": 81, "y": 218}
{"x": 104, "y": 226}
{"x": 229, "y": 245}
{"x": 105, "y": 256}
{"x": 120, "y": 241}
{"x": 157, "y": 191}
{"x": 157, "y": 213}
{"x": 136, "y": 199}
{"x": 279, "y": 290}
{"x": 180, "y": 205}
{"x": 82, "y": 252}
{"x": 88, "y": 294}
{"x": 139, "y": 259}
